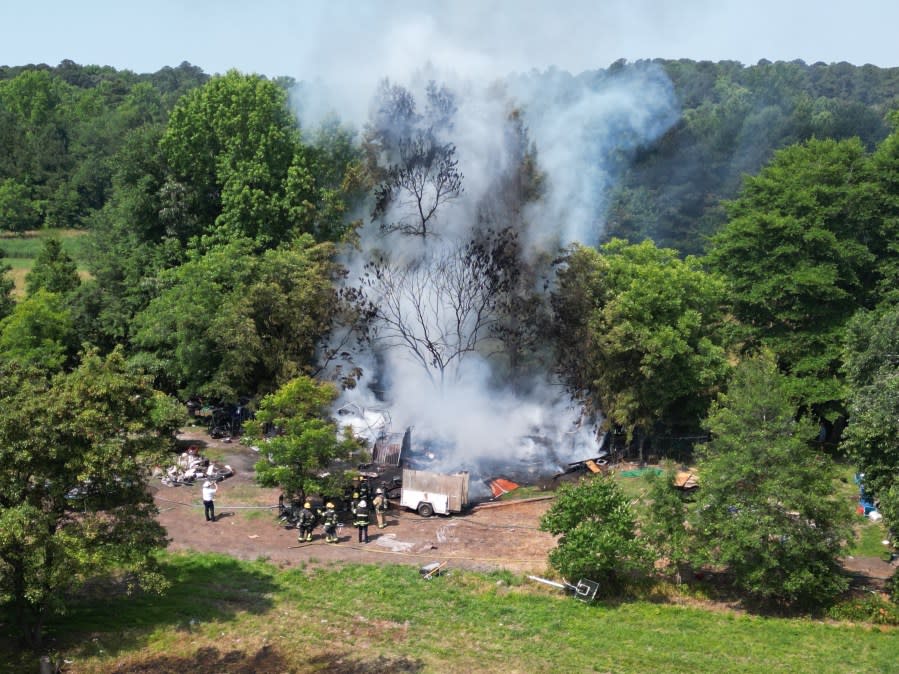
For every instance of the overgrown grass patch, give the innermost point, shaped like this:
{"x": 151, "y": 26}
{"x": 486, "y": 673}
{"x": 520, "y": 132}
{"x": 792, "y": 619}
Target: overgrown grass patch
{"x": 460, "y": 621}
{"x": 869, "y": 539}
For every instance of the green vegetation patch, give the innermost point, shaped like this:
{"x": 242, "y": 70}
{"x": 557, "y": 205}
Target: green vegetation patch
{"x": 20, "y": 251}
{"x": 640, "y": 472}
{"x": 461, "y": 621}
{"x": 869, "y": 540}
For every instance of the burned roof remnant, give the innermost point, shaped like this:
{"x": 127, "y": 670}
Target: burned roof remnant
{"x": 686, "y": 480}
{"x": 500, "y": 485}
{"x": 389, "y": 448}
{"x": 597, "y": 464}
{"x": 363, "y": 423}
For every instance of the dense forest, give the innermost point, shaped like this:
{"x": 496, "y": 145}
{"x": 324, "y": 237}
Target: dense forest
{"x": 749, "y": 239}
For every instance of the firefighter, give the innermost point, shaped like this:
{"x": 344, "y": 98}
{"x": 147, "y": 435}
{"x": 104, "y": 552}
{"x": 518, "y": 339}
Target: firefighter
{"x": 329, "y": 522}
{"x": 306, "y": 522}
{"x": 380, "y": 504}
{"x": 362, "y": 520}
{"x": 364, "y": 489}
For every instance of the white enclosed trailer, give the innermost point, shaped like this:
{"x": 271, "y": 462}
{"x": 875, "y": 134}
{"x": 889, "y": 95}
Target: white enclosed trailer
{"x": 428, "y": 493}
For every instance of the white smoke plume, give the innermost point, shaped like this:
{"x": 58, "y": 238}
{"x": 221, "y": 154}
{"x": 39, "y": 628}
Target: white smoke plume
{"x": 583, "y": 129}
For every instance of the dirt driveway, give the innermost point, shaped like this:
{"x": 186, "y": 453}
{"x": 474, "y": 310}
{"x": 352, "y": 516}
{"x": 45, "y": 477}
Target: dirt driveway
{"x": 493, "y": 536}
{"x": 502, "y": 535}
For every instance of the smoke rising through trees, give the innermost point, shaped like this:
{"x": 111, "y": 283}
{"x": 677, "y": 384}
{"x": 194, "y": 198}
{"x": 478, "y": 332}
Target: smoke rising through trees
{"x": 480, "y": 187}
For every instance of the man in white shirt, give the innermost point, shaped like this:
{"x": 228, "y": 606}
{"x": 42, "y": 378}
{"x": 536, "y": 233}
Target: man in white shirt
{"x": 209, "y": 489}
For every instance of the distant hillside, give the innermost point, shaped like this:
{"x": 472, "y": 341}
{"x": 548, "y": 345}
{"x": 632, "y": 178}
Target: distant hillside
{"x": 61, "y": 127}
{"x": 733, "y": 118}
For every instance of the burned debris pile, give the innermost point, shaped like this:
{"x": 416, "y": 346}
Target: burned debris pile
{"x": 192, "y": 466}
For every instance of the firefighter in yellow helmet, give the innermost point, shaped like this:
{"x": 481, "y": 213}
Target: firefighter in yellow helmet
{"x": 380, "y": 504}
{"x": 306, "y": 522}
{"x": 329, "y": 522}
{"x": 362, "y": 519}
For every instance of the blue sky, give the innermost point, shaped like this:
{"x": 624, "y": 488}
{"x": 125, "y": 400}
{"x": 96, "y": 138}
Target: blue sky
{"x": 329, "y": 38}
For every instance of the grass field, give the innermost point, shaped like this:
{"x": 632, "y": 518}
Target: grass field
{"x": 20, "y": 250}
{"x": 221, "y": 614}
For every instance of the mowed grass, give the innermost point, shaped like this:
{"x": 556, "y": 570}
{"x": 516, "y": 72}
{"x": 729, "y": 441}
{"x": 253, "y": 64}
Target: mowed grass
{"x": 220, "y": 614}
{"x": 871, "y": 536}
{"x": 20, "y": 250}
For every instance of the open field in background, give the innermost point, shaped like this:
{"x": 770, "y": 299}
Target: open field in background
{"x": 20, "y": 250}
{"x": 222, "y": 615}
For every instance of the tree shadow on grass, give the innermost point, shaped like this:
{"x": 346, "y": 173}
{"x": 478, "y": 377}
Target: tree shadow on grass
{"x": 203, "y": 588}
{"x": 212, "y": 661}
{"x": 336, "y": 663}
{"x": 267, "y": 660}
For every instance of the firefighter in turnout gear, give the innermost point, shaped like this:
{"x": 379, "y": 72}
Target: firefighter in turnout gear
{"x": 364, "y": 489}
{"x": 362, "y": 520}
{"x": 380, "y": 504}
{"x": 306, "y": 522}
{"x": 329, "y": 522}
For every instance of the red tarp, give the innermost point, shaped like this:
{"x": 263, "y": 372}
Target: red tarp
{"x": 500, "y": 486}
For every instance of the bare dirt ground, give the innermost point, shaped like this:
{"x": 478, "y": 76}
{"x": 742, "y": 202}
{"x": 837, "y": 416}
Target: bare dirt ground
{"x": 502, "y": 535}
{"x": 493, "y": 536}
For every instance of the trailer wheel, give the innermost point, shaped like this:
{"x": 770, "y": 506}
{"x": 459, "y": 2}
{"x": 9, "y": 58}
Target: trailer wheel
{"x": 425, "y": 509}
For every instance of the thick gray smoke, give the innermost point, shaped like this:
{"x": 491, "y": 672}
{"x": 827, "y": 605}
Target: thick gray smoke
{"x": 583, "y": 130}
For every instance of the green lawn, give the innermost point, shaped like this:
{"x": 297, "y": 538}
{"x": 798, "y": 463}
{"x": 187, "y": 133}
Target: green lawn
{"x": 220, "y": 613}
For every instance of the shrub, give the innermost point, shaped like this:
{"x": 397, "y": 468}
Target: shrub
{"x": 597, "y": 530}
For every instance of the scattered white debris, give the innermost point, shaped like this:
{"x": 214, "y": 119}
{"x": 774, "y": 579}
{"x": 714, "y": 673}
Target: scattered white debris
{"x": 389, "y": 541}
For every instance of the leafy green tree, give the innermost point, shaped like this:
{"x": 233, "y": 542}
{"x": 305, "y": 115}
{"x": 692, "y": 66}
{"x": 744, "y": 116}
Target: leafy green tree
{"x": 767, "y": 510}
{"x": 665, "y": 526}
{"x": 638, "y": 332}
{"x": 39, "y": 332}
{"x": 872, "y": 373}
{"x": 306, "y": 441}
{"x": 228, "y": 322}
{"x": 881, "y": 206}
{"x": 7, "y": 286}
{"x": 75, "y": 450}
{"x": 54, "y": 270}
{"x": 289, "y": 306}
{"x": 179, "y": 334}
{"x": 127, "y": 245}
{"x": 18, "y": 212}
{"x": 236, "y": 163}
{"x": 597, "y": 533}
{"x": 798, "y": 262}
{"x": 889, "y": 507}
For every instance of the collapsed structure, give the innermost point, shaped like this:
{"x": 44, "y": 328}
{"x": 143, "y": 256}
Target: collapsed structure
{"x": 191, "y": 466}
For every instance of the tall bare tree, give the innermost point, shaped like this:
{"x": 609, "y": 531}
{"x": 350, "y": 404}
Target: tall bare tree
{"x": 440, "y": 307}
{"x": 416, "y": 170}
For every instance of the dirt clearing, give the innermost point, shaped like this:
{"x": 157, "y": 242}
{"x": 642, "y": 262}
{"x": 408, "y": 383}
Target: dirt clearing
{"x": 502, "y": 536}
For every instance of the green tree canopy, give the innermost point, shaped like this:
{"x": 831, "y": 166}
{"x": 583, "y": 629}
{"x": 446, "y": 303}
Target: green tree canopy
{"x": 305, "y": 442}
{"x": 39, "y": 332}
{"x": 872, "y": 372}
{"x": 767, "y": 510}
{"x": 597, "y": 533}
{"x": 799, "y": 260}
{"x": 639, "y": 333}
{"x": 236, "y": 162}
{"x": 73, "y": 503}
{"x": 54, "y": 270}
{"x": 228, "y": 322}
{"x": 7, "y": 285}
{"x": 18, "y": 211}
